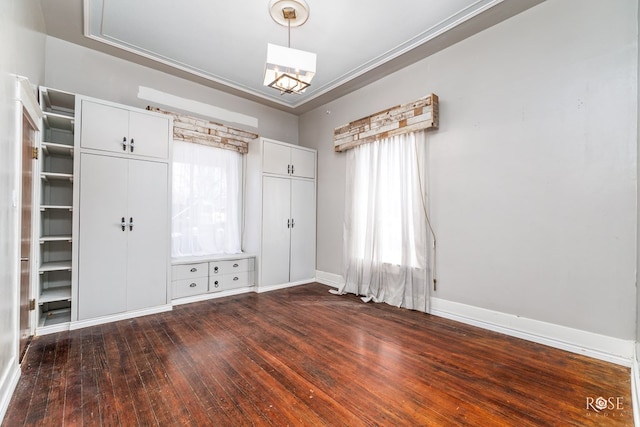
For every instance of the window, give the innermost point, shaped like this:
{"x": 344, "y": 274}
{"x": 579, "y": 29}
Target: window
{"x": 385, "y": 232}
{"x": 206, "y": 200}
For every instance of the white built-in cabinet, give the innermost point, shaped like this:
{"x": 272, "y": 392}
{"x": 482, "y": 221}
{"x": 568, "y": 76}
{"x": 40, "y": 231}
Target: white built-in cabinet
{"x": 280, "y": 206}
{"x": 123, "y": 221}
{"x": 55, "y": 225}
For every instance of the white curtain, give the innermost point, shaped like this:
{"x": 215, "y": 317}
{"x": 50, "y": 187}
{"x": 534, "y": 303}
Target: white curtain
{"x": 206, "y": 200}
{"x": 386, "y": 241}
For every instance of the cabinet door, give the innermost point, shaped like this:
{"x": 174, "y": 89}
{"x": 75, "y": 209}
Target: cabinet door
{"x": 104, "y": 127}
{"x": 276, "y": 193}
{"x": 148, "y": 135}
{"x": 276, "y": 158}
{"x": 303, "y": 232}
{"x": 102, "y": 243}
{"x": 148, "y": 239}
{"x": 303, "y": 162}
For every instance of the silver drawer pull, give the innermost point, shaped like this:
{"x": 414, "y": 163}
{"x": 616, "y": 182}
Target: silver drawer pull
{"x": 193, "y": 285}
{"x": 235, "y": 265}
{"x": 193, "y": 270}
{"x": 235, "y": 278}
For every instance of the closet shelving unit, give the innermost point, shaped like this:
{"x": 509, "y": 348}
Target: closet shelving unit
{"x": 56, "y": 160}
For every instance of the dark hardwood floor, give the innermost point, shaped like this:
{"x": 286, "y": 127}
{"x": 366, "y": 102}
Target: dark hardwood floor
{"x": 304, "y": 357}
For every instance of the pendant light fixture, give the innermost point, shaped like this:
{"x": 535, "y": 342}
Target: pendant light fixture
{"x": 289, "y": 70}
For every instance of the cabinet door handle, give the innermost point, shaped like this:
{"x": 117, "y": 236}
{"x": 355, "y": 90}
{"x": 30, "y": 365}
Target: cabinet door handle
{"x": 288, "y": 223}
{"x": 123, "y": 224}
{"x": 193, "y": 285}
{"x": 291, "y": 165}
{"x": 235, "y": 265}
{"x": 193, "y": 270}
{"x": 131, "y": 223}
{"x": 292, "y": 223}
{"x": 288, "y": 169}
{"x": 124, "y": 143}
{"x": 131, "y": 145}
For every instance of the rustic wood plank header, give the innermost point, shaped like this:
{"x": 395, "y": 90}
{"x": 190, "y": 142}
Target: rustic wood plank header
{"x": 200, "y": 131}
{"x": 411, "y": 117}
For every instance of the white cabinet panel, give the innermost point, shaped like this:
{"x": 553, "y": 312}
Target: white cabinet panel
{"x": 104, "y": 127}
{"x": 284, "y": 159}
{"x": 276, "y": 196}
{"x": 123, "y": 131}
{"x": 303, "y": 231}
{"x": 303, "y": 163}
{"x": 276, "y": 158}
{"x": 103, "y": 243}
{"x": 122, "y": 269}
{"x": 147, "y": 245}
{"x": 148, "y": 135}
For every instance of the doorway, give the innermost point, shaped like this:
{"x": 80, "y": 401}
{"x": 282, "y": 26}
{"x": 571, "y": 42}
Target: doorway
{"x": 29, "y": 154}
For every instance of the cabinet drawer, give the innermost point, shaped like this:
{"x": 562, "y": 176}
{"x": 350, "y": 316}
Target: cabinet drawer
{"x": 236, "y": 265}
{"x": 237, "y": 280}
{"x": 188, "y": 287}
{"x": 186, "y": 271}
{"x": 215, "y": 269}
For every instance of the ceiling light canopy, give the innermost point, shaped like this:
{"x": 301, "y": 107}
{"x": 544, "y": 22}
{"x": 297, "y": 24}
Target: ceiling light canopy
{"x": 289, "y": 70}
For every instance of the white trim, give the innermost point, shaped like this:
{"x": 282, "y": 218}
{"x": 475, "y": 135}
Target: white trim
{"x": 329, "y": 279}
{"x": 8, "y": 385}
{"x": 598, "y": 346}
{"x": 262, "y": 289}
{"x": 610, "y": 349}
{"x": 635, "y": 390}
{"x": 212, "y": 295}
{"x": 120, "y": 316}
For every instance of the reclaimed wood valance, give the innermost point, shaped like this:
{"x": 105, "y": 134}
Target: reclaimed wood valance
{"x": 201, "y": 131}
{"x": 411, "y": 117}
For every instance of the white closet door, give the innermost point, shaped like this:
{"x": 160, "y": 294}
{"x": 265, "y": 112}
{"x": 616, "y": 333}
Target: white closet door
{"x": 304, "y": 163}
{"x": 150, "y": 135}
{"x": 303, "y": 232}
{"x": 103, "y": 244}
{"x": 276, "y": 158}
{"x": 148, "y": 243}
{"x": 276, "y": 195}
{"x": 104, "y": 127}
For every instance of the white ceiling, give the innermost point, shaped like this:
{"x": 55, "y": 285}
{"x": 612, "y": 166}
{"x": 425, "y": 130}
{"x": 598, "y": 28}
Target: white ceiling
{"x": 223, "y": 44}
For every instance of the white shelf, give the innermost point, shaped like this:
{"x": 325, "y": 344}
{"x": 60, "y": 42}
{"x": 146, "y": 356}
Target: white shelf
{"x": 58, "y": 121}
{"x": 56, "y": 207}
{"x": 57, "y": 101}
{"x": 55, "y": 175}
{"x": 55, "y": 266}
{"x": 62, "y": 293}
{"x": 57, "y": 148}
{"x": 55, "y": 239}
{"x": 55, "y": 317}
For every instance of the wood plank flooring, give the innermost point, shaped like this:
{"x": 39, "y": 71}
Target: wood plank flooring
{"x": 304, "y": 357}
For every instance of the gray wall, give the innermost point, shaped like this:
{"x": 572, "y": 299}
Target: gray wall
{"x": 533, "y": 170}
{"x": 87, "y": 72}
{"x": 22, "y": 53}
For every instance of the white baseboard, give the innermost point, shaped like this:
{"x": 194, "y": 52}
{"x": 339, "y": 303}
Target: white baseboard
{"x": 261, "y": 289}
{"x": 601, "y": 347}
{"x": 120, "y": 316}
{"x": 8, "y": 384}
{"x": 329, "y": 279}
